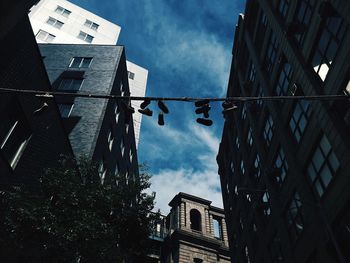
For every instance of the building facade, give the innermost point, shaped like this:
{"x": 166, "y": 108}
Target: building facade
{"x": 101, "y": 129}
{"x": 32, "y": 136}
{"x": 284, "y": 165}
{"x": 62, "y": 22}
{"x": 196, "y": 232}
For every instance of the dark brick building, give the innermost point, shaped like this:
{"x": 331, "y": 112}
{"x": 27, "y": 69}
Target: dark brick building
{"x": 32, "y": 136}
{"x": 284, "y": 165}
{"x": 101, "y": 129}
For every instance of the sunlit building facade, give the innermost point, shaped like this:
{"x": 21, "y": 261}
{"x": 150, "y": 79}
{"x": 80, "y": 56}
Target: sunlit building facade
{"x": 284, "y": 165}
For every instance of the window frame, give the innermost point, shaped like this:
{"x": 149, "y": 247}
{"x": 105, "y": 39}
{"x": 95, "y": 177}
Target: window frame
{"x": 47, "y": 36}
{"x": 85, "y": 37}
{"x": 55, "y": 22}
{"x": 64, "y": 12}
{"x": 81, "y": 63}
{"x": 92, "y": 25}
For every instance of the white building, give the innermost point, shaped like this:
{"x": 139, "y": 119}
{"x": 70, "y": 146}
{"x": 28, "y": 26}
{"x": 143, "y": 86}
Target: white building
{"x": 59, "y": 21}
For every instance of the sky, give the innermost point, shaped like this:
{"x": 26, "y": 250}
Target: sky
{"x": 186, "y": 46}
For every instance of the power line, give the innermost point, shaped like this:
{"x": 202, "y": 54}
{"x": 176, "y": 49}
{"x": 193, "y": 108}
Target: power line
{"x": 50, "y": 94}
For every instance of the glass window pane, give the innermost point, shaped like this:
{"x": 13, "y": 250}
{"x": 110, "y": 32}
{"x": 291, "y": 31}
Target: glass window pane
{"x": 326, "y": 175}
{"x": 325, "y": 145}
{"x": 318, "y": 159}
{"x": 333, "y": 160}
{"x": 319, "y": 188}
{"x": 86, "y": 62}
{"x": 76, "y": 62}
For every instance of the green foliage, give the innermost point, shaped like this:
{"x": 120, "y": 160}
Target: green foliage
{"x": 70, "y": 217}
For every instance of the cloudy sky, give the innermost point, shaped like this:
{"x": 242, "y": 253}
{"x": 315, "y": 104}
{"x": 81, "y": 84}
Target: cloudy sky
{"x": 186, "y": 47}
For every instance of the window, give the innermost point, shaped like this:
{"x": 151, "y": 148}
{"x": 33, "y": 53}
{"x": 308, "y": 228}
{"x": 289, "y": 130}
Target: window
{"x": 271, "y": 53}
{"x": 250, "y": 137}
{"x": 65, "y": 109}
{"x": 294, "y": 217}
{"x": 80, "y": 62}
{"x": 284, "y": 80}
{"x": 62, "y": 11}
{"x": 323, "y": 166}
{"x": 217, "y": 228}
{"x": 102, "y": 170}
{"x": 197, "y": 260}
{"x": 54, "y": 22}
{"x": 122, "y": 146}
{"x": 70, "y": 84}
{"x": 282, "y": 165}
{"x": 327, "y": 44}
{"x": 15, "y": 133}
{"x": 244, "y": 112}
{"x": 246, "y": 253}
{"x": 110, "y": 139}
{"x": 283, "y": 6}
{"x": 265, "y": 200}
{"x": 252, "y": 73}
{"x": 131, "y": 75}
{"x": 260, "y": 94}
{"x": 91, "y": 24}
{"x": 268, "y": 130}
{"x": 242, "y": 167}
{"x": 300, "y": 118}
{"x": 195, "y": 220}
{"x": 257, "y": 173}
{"x": 303, "y": 16}
{"x": 237, "y": 142}
{"x": 116, "y": 112}
{"x": 86, "y": 37}
{"x": 276, "y": 250}
{"x": 45, "y": 36}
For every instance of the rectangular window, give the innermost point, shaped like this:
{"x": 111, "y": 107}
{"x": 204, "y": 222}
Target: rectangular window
{"x": 91, "y": 24}
{"x": 15, "y": 133}
{"x": 86, "y": 37}
{"x": 62, "y": 11}
{"x": 80, "y": 62}
{"x": 268, "y": 131}
{"x": 45, "y": 36}
{"x": 217, "y": 228}
{"x": 302, "y": 17}
{"x": 323, "y": 166}
{"x": 131, "y": 75}
{"x": 284, "y": 80}
{"x": 281, "y": 164}
{"x": 327, "y": 44}
{"x": 54, "y": 22}
{"x": 283, "y": 6}
{"x": 294, "y": 217}
{"x": 65, "y": 109}
{"x": 70, "y": 84}
{"x": 300, "y": 118}
{"x": 271, "y": 53}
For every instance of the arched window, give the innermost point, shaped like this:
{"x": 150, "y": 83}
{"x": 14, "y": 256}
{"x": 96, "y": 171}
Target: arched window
{"x": 196, "y": 222}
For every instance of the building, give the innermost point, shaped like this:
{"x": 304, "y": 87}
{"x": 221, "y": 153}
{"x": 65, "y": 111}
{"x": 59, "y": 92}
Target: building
{"x": 62, "y": 22}
{"x": 31, "y": 130}
{"x": 284, "y": 165}
{"x": 193, "y": 231}
{"x": 101, "y": 129}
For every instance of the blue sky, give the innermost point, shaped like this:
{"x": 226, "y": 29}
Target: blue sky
{"x": 186, "y": 47}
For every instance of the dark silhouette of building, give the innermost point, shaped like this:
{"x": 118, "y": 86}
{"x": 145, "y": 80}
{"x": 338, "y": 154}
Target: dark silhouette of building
{"x": 193, "y": 231}
{"x": 100, "y": 129}
{"x": 31, "y": 131}
{"x": 284, "y": 165}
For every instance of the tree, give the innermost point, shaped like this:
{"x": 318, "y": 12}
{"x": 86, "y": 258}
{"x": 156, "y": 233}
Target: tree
{"x": 69, "y": 216}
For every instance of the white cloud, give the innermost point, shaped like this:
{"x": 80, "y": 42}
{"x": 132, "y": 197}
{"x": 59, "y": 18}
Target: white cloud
{"x": 203, "y": 182}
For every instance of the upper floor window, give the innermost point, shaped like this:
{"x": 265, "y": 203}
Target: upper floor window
{"x": 282, "y": 165}
{"x": 327, "y": 44}
{"x": 251, "y": 73}
{"x": 45, "y": 36}
{"x": 70, "y": 84}
{"x": 323, "y": 166}
{"x": 86, "y": 37}
{"x": 15, "y": 133}
{"x": 300, "y": 118}
{"x": 242, "y": 167}
{"x": 91, "y": 24}
{"x": 294, "y": 217}
{"x": 250, "y": 137}
{"x": 54, "y": 22}
{"x": 284, "y": 80}
{"x": 217, "y": 228}
{"x": 257, "y": 172}
{"x": 237, "y": 142}
{"x": 65, "y": 109}
{"x": 266, "y": 204}
{"x": 302, "y": 17}
{"x": 196, "y": 220}
{"x": 110, "y": 138}
{"x": 283, "y": 6}
{"x": 102, "y": 170}
{"x": 80, "y": 62}
{"x": 62, "y": 11}
{"x": 271, "y": 53}
{"x": 268, "y": 130}
{"x": 244, "y": 112}
{"x": 131, "y": 75}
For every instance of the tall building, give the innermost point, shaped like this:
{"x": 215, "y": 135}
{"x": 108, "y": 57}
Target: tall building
{"x": 32, "y": 135}
{"x": 193, "y": 231}
{"x": 101, "y": 129}
{"x": 62, "y": 22}
{"x": 284, "y": 165}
